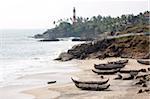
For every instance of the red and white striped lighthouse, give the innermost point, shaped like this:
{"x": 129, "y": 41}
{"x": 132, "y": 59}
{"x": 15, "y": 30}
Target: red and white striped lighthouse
{"x": 74, "y": 15}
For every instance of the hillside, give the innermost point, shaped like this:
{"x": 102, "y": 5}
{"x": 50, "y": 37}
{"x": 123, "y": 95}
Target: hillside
{"x": 97, "y": 25}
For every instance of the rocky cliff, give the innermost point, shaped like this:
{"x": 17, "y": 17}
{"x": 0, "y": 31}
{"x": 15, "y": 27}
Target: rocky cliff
{"x": 127, "y": 47}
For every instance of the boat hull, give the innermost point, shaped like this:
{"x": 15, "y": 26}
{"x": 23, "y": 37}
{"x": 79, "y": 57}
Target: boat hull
{"x": 105, "y": 72}
{"x": 109, "y": 66}
{"x": 90, "y": 82}
{"x": 94, "y": 87}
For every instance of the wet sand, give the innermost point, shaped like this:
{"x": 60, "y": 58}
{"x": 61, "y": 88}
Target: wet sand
{"x": 119, "y": 89}
{"x": 28, "y": 82}
{"x": 14, "y": 92}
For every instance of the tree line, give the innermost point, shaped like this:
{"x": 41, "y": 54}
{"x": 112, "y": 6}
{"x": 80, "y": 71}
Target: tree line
{"x": 96, "y": 25}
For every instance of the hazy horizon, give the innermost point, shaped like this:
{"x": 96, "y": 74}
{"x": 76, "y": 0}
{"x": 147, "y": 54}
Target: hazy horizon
{"x": 40, "y": 14}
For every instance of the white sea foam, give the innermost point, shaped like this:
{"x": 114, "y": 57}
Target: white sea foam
{"x": 20, "y": 55}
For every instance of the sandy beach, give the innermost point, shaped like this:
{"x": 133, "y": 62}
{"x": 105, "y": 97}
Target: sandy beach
{"x": 119, "y": 89}
{"x": 74, "y": 49}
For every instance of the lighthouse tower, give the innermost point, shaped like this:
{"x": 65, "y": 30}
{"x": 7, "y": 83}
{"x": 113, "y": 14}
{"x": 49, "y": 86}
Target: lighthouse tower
{"x": 74, "y": 15}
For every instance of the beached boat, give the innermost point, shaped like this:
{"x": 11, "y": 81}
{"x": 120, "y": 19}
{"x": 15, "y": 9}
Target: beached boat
{"x": 108, "y": 66}
{"x": 119, "y": 62}
{"x": 105, "y": 72}
{"x": 143, "y": 76}
{"x": 145, "y": 62}
{"x": 129, "y": 71}
{"x": 94, "y": 87}
{"x": 90, "y": 82}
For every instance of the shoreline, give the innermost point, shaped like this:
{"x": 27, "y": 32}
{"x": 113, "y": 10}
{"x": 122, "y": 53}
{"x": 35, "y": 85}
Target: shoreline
{"x": 27, "y": 82}
{"x": 119, "y": 89}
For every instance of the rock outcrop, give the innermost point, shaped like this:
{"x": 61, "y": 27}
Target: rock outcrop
{"x": 65, "y": 57}
{"x": 127, "y": 47}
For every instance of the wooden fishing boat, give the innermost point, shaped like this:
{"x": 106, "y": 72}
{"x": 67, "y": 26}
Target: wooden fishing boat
{"x": 129, "y": 71}
{"x": 105, "y": 72}
{"x": 145, "y": 62}
{"x": 94, "y": 87}
{"x": 119, "y": 62}
{"x": 90, "y": 82}
{"x": 108, "y": 66}
{"x": 143, "y": 76}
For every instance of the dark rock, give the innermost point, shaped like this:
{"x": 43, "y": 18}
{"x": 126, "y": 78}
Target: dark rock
{"x": 38, "y": 36}
{"x": 80, "y": 39}
{"x": 144, "y": 85}
{"x": 140, "y": 91}
{"x": 143, "y": 70}
{"x": 102, "y": 77}
{"x": 48, "y": 40}
{"x": 119, "y": 77}
{"x": 51, "y": 82}
{"x": 142, "y": 81}
{"x": 57, "y": 58}
{"x": 127, "y": 47}
{"x": 64, "y": 57}
{"x": 138, "y": 83}
{"x": 147, "y": 90}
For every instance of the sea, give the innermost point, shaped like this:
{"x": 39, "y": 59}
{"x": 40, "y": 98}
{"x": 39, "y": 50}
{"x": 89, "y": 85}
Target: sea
{"x": 22, "y": 55}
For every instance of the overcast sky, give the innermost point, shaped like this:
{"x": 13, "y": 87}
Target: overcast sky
{"x": 42, "y": 13}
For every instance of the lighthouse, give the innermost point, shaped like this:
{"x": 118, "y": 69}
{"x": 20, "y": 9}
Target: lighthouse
{"x": 74, "y": 15}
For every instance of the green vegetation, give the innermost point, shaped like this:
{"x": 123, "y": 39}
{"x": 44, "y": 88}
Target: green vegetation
{"x": 92, "y": 27}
